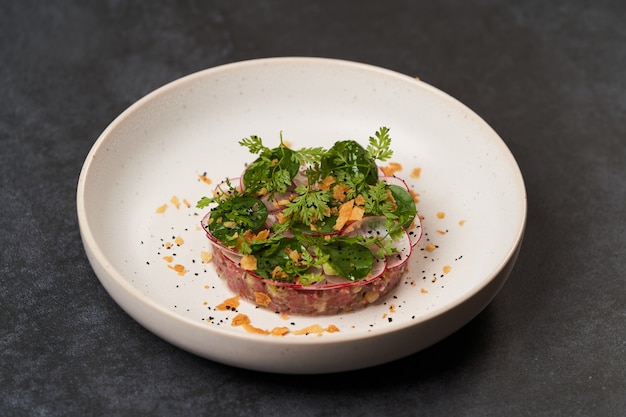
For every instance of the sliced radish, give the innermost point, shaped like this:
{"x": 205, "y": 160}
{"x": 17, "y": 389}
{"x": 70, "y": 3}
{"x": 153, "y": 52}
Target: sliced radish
{"x": 235, "y": 257}
{"x": 205, "y": 225}
{"x": 415, "y": 231}
{"x": 376, "y": 226}
{"x": 223, "y": 189}
{"x": 330, "y": 281}
{"x": 366, "y": 227}
{"x": 403, "y": 250}
{"x": 301, "y": 178}
{"x": 272, "y": 219}
{"x": 276, "y": 202}
{"x": 391, "y": 180}
{"x": 336, "y": 281}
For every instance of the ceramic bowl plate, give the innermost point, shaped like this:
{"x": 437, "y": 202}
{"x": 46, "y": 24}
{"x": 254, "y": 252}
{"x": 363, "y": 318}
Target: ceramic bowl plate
{"x": 141, "y": 231}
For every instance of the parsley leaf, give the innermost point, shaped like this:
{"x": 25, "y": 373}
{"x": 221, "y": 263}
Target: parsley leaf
{"x": 308, "y": 206}
{"x": 309, "y": 155}
{"x": 254, "y": 144}
{"x": 380, "y": 146}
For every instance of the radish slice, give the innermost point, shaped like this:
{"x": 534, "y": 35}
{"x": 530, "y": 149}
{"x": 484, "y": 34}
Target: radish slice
{"x": 415, "y": 231}
{"x": 223, "y": 189}
{"x": 337, "y": 281}
{"x": 376, "y": 226}
{"x": 205, "y": 225}
{"x": 235, "y": 257}
{"x": 330, "y": 281}
{"x": 276, "y": 202}
{"x": 403, "y": 249}
{"x": 390, "y": 180}
{"x": 300, "y": 178}
{"x": 368, "y": 226}
{"x": 271, "y": 220}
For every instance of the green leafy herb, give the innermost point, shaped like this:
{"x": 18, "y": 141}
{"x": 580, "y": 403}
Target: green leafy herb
{"x": 309, "y": 155}
{"x": 254, "y": 144}
{"x": 380, "y": 145}
{"x": 349, "y": 162}
{"x": 350, "y": 260}
{"x": 304, "y": 241}
{"x": 236, "y": 215}
{"x": 308, "y": 206}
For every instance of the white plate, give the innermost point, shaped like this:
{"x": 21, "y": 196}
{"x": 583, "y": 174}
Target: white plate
{"x": 160, "y": 146}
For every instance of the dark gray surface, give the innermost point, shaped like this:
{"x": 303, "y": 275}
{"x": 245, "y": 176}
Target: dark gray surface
{"x": 548, "y": 76}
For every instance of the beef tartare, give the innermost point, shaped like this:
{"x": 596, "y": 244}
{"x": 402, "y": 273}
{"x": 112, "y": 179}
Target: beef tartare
{"x": 313, "y": 231}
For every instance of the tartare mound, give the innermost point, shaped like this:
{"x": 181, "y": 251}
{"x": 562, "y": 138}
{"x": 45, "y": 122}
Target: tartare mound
{"x": 281, "y": 298}
{"x": 313, "y": 231}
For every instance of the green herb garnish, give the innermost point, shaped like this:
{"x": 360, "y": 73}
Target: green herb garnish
{"x": 335, "y": 187}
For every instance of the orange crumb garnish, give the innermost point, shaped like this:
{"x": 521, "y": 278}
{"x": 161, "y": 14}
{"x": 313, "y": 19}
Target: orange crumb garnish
{"x": 206, "y": 257}
{"x": 424, "y": 291}
{"x": 205, "y": 179}
{"x": 279, "y": 331}
{"x": 314, "y": 328}
{"x": 262, "y": 299}
{"x": 239, "y": 320}
{"x": 345, "y": 213}
{"x": 340, "y": 191}
{"x": 187, "y": 203}
{"x": 161, "y": 209}
{"x": 168, "y": 258}
{"x": 392, "y": 168}
{"x": 249, "y": 235}
{"x": 326, "y": 183}
{"x": 462, "y": 222}
{"x": 447, "y": 269}
{"x": 179, "y": 241}
{"x": 178, "y": 268}
{"x": 244, "y": 321}
{"x": 228, "y": 304}
{"x": 441, "y": 215}
{"x": 392, "y": 308}
{"x": 357, "y": 213}
{"x": 175, "y": 201}
{"x": 430, "y": 247}
{"x": 332, "y": 329}
{"x": 248, "y": 262}
{"x": 416, "y": 172}
{"x": 441, "y": 232}
{"x": 251, "y": 329}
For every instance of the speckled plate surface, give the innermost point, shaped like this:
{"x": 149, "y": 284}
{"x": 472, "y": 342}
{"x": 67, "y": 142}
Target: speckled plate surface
{"x": 141, "y": 231}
